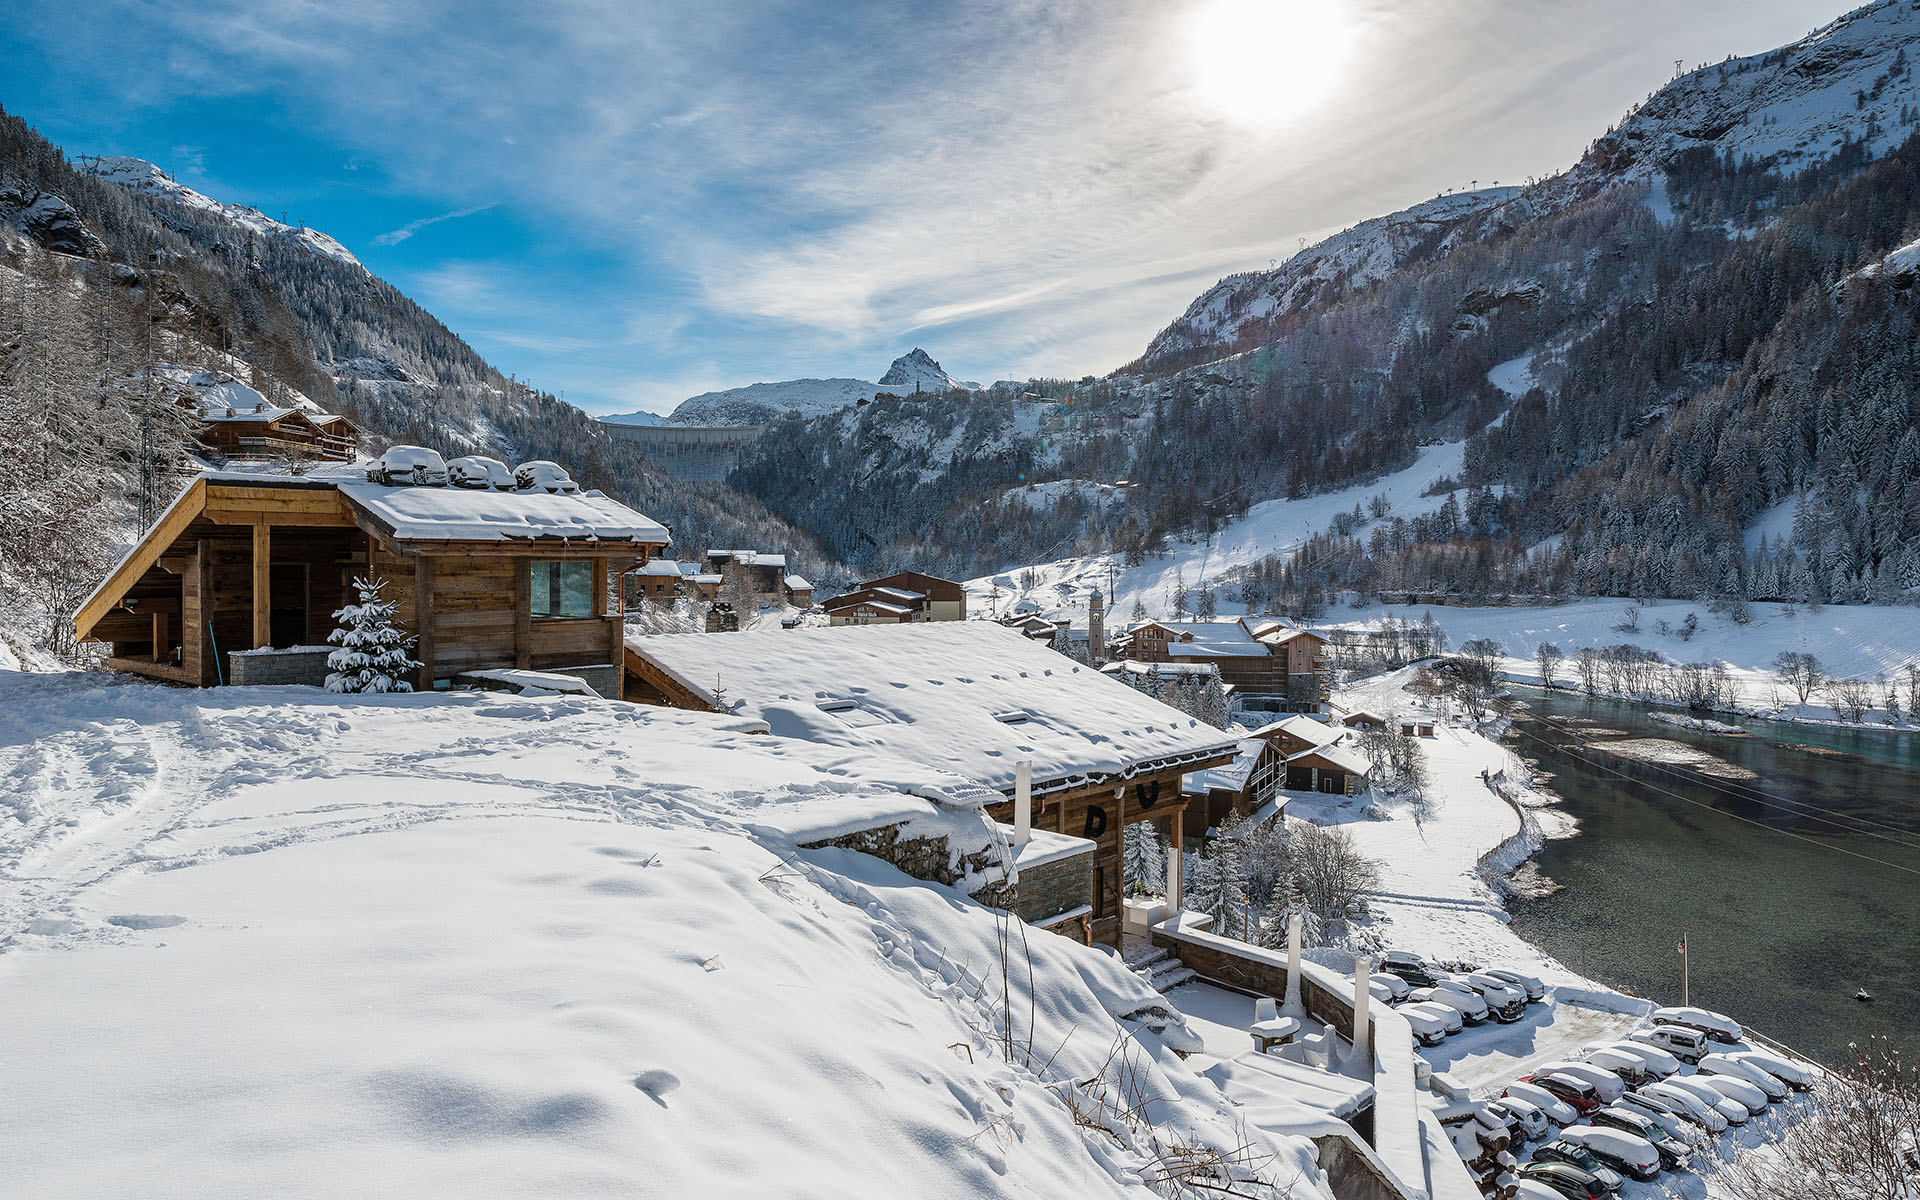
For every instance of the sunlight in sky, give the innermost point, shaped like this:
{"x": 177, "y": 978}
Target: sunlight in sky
{"x": 1263, "y": 62}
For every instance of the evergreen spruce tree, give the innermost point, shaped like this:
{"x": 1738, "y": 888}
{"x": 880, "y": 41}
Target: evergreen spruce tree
{"x": 1220, "y": 887}
{"x": 1143, "y": 863}
{"x": 373, "y": 650}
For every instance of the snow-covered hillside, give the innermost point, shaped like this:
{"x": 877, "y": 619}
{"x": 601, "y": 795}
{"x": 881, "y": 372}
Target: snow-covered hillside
{"x": 274, "y": 942}
{"x": 1061, "y": 588}
{"x": 142, "y": 176}
{"x": 759, "y": 403}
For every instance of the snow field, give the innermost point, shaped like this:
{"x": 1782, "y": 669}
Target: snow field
{"x": 270, "y": 940}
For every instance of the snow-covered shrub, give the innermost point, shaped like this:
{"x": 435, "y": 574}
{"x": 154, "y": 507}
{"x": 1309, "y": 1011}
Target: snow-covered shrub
{"x": 373, "y": 650}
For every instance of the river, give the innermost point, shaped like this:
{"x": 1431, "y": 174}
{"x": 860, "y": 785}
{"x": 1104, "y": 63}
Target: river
{"x": 1770, "y": 877}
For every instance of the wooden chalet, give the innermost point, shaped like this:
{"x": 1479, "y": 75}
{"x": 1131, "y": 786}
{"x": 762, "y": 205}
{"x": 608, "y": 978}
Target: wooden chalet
{"x": 269, "y": 432}
{"x": 1269, "y": 664}
{"x": 1315, "y": 756}
{"x": 969, "y": 697}
{"x": 238, "y": 580}
{"x": 1241, "y": 788}
{"x": 898, "y": 599}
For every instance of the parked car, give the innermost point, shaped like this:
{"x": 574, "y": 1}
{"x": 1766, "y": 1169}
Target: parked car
{"x": 1468, "y": 1001}
{"x": 1399, "y": 986}
{"x": 1732, "y": 1111}
{"x": 415, "y": 466}
{"x": 543, "y": 476}
{"x": 1535, "y": 989}
{"x": 1534, "y": 1189}
{"x": 1557, "y": 1110}
{"x": 479, "y": 471}
{"x": 1726, "y": 1064}
{"x": 1795, "y": 1075}
{"x": 1654, "y": 1109}
{"x": 1737, "y": 1090}
{"x": 1411, "y": 967}
{"x": 1564, "y": 1179}
{"x": 1507, "y": 1003}
{"x": 1625, "y": 1153}
{"x": 1685, "y": 1044}
{"x": 1605, "y": 1082}
{"x": 1703, "y": 1114}
{"x": 1653, "y": 1058}
{"x": 1447, "y": 1015}
{"x": 1430, "y": 1029}
{"x": 1629, "y": 1067}
{"x": 1673, "y": 1152}
{"x": 1526, "y": 1119}
{"x": 1719, "y": 1027}
{"x": 1561, "y": 1150}
{"x": 1577, "y": 1093}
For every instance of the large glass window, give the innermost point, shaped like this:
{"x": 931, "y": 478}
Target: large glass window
{"x": 563, "y": 589}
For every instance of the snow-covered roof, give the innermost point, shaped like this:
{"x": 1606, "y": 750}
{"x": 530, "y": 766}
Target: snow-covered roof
{"x": 1214, "y": 639}
{"x": 797, "y": 583}
{"x": 479, "y": 515}
{"x": 1130, "y": 666}
{"x": 1231, "y": 777}
{"x": 1340, "y": 757}
{"x": 897, "y": 593}
{"x": 661, "y": 566}
{"x": 882, "y": 606}
{"x": 1305, "y": 728}
{"x": 969, "y": 697}
{"x": 750, "y": 558}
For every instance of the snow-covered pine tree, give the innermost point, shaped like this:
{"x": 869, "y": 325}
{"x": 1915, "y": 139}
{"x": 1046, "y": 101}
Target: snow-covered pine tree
{"x": 373, "y": 650}
{"x": 1220, "y": 887}
{"x": 1142, "y": 863}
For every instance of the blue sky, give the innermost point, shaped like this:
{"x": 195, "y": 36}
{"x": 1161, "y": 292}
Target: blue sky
{"x": 630, "y": 202}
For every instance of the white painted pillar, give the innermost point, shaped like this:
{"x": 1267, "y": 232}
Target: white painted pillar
{"x": 1022, "y": 802}
{"x": 1361, "y": 1064}
{"x": 1177, "y": 867}
{"x": 1293, "y": 965}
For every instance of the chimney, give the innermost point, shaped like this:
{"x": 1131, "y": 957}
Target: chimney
{"x": 1097, "y": 628}
{"x": 1023, "y": 802}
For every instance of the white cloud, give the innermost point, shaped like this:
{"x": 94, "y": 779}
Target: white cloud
{"x": 395, "y": 236}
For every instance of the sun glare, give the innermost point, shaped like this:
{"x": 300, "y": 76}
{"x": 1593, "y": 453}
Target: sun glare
{"x": 1262, "y": 62}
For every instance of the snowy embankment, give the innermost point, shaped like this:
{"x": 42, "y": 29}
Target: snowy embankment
{"x": 1271, "y": 527}
{"x": 266, "y": 941}
{"x": 1851, "y": 641}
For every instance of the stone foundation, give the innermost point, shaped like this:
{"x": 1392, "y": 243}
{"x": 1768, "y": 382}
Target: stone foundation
{"x": 255, "y": 668}
{"x": 1052, "y": 888}
{"x": 929, "y": 858}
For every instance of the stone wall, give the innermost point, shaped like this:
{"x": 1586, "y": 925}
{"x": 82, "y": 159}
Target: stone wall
{"x": 931, "y": 859}
{"x": 1261, "y": 972}
{"x": 604, "y": 678}
{"x": 256, "y": 668}
{"x": 1052, "y": 888}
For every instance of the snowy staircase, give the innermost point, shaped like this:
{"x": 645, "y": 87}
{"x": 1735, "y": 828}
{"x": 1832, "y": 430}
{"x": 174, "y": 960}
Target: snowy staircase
{"x": 1161, "y": 969}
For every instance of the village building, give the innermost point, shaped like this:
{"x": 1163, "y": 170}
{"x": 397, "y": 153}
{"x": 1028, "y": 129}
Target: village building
{"x": 267, "y": 431}
{"x": 1248, "y": 787}
{"x": 1360, "y": 718}
{"x": 897, "y": 599}
{"x": 1315, "y": 756}
{"x": 238, "y": 580}
{"x": 657, "y": 578}
{"x": 1271, "y": 666}
{"x": 799, "y": 591}
{"x": 969, "y": 697}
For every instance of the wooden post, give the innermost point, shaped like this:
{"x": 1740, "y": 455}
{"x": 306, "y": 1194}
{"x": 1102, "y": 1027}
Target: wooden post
{"x": 160, "y": 638}
{"x": 262, "y": 584}
{"x": 423, "y": 621}
{"x": 196, "y": 610}
{"x": 522, "y": 613}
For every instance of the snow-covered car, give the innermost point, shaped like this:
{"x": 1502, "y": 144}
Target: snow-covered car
{"x": 1629, "y": 1067}
{"x": 1532, "y": 1186}
{"x": 1654, "y": 1058}
{"x": 1736, "y": 1089}
{"x": 1605, "y": 1083}
{"x": 1733, "y": 1112}
{"x": 1564, "y": 1180}
{"x": 1718, "y": 1027}
{"x": 1398, "y": 986}
{"x": 1471, "y": 1006}
{"x": 540, "y": 475}
{"x": 1726, "y": 1064}
{"x": 1535, "y": 988}
{"x": 1411, "y": 967}
{"x": 1625, "y": 1153}
{"x": 1526, "y": 1119}
{"x": 414, "y": 466}
{"x": 1577, "y": 1093}
{"x": 479, "y": 471}
{"x": 1795, "y": 1075}
{"x": 1687, "y": 1045}
{"x": 1702, "y": 1113}
{"x": 1557, "y": 1110}
{"x": 1381, "y": 993}
{"x": 1654, "y": 1109}
{"x": 1561, "y": 1150}
{"x": 1507, "y": 1003}
{"x": 1447, "y": 1019}
{"x": 1674, "y": 1154}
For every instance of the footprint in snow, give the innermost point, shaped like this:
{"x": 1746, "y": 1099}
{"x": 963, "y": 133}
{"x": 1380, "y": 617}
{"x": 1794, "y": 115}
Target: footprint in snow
{"x": 657, "y": 1083}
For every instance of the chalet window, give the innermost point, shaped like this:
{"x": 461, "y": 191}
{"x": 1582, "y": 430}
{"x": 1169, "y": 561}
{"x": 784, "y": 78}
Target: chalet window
{"x": 563, "y": 589}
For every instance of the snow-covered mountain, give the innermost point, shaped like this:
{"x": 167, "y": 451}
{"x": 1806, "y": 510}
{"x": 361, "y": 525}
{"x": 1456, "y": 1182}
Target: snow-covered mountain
{"x": 1850, "y": 82}
{"x": 142, "y": 176}
{"x": 758, "y": 403}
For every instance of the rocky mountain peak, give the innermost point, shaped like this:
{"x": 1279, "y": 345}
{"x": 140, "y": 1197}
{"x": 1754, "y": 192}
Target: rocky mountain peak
{"x": 918, "y": 367}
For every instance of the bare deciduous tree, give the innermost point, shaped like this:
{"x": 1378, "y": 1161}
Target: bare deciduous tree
{"x": 1851, "y": 698}
{"x": 1549, "y": 656}
{"x": 1328, "y": 871}
{"x": 1800, "y": 671}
